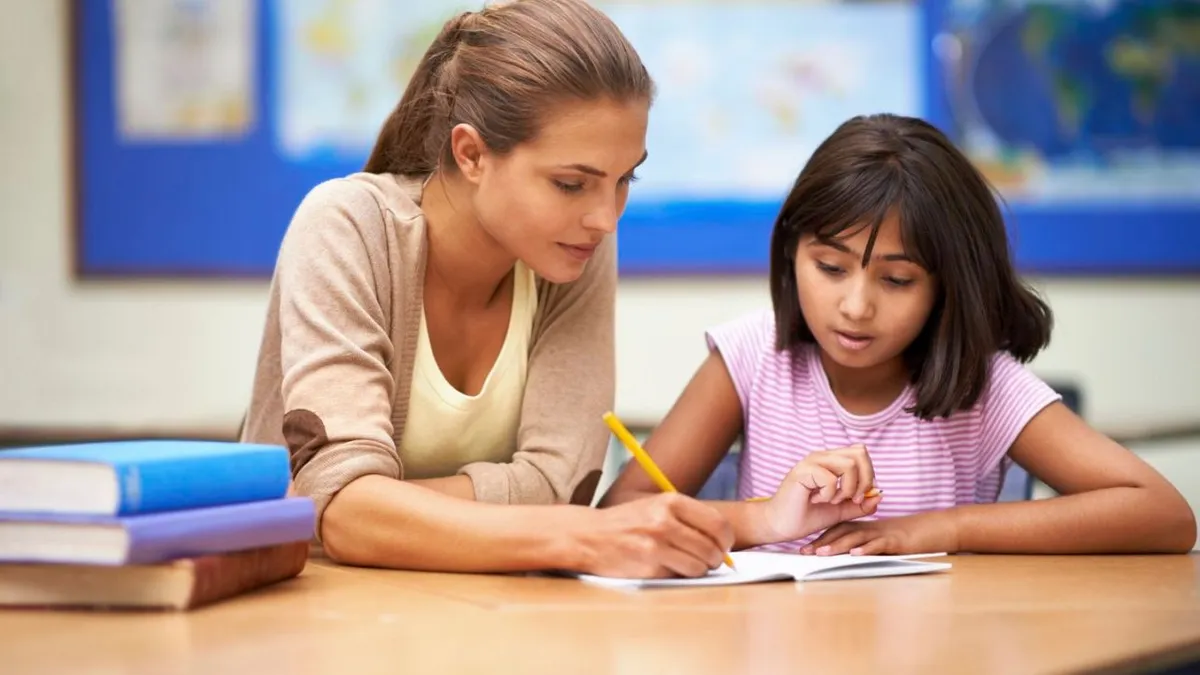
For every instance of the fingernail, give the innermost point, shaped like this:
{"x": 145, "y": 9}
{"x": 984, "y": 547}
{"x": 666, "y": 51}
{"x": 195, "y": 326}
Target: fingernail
{"x": 823, "y": 550}
{"x": 856, "y": 551}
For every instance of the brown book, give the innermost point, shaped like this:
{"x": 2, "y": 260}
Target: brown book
{"x": 181, "y": 584}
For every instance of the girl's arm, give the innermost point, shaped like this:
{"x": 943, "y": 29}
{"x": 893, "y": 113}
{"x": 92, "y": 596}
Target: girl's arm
{"x": 698, "y": 432}
{"x": 1112, "y": 501}
{"x": 693, "y": 438}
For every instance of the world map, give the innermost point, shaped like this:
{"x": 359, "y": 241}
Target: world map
{"x": 746, "y": 90}
{"x": 1065, "y": 101}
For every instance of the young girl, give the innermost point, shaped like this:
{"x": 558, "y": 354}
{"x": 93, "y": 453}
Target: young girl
{"x": 431, "y": 319}
{"x": 893, "y": 360}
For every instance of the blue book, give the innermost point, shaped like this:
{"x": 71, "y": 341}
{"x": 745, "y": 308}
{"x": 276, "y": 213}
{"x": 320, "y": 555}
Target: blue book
{"x": 156, "y": 537}
{"x": 132, "y": 477}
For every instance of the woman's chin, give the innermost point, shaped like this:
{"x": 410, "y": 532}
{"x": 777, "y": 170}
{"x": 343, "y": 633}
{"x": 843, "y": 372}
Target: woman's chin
{"x": 560, "y": 270}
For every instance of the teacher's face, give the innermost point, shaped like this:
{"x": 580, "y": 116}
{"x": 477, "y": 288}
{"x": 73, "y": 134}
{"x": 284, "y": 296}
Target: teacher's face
{"x": 552, "y": 200}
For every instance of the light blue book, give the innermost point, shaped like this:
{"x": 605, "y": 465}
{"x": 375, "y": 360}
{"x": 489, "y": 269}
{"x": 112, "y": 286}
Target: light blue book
{"x": 134, "y": 477}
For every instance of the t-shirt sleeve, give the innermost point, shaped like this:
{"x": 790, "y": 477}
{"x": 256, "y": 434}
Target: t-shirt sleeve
{"x": 742, "y": 344}
{"x": 1012, "y": 397}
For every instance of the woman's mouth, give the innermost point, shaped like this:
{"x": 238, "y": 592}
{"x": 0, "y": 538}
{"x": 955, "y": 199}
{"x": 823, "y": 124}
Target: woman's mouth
{"x": 580, "y": 252}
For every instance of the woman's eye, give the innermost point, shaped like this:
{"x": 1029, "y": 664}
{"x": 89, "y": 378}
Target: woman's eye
{"x": 828, "y": 269}
{"x": 568, "y": 187}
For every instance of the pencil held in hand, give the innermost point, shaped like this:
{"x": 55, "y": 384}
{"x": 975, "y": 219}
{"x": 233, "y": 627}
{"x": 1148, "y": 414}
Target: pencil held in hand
{"x": 644, "y": 460}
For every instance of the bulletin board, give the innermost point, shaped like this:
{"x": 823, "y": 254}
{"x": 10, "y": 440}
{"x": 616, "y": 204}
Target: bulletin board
{"x": 199, "y": 125}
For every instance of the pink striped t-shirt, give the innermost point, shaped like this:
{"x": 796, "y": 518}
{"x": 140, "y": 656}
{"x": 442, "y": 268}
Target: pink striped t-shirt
{"x": 789, "y": 410}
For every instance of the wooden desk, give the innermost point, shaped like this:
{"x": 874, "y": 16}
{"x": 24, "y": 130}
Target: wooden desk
{"x": 987, "y": 615}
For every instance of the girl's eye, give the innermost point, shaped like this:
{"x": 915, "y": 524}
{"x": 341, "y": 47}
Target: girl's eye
{"x": 631, "y": 178}
{"x": 898, "y": 282}
{"x": 828, "y": 269}
{"x": 568, "y": 187}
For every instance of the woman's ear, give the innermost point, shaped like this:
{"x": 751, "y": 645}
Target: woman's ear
{"x": 469, "y": 151}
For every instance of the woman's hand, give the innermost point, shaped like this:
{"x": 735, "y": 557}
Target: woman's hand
{"x": 933, "y": 532}
{"x": 666, "y": 535}
{"x": 826, "y": 488}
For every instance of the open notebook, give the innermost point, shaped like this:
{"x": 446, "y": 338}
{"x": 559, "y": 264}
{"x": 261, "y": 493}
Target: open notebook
{"x": 758, "y": 566}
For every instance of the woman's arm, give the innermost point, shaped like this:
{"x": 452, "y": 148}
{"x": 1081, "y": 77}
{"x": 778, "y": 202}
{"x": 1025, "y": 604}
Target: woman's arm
{"x": 452, "y": 486}
{"x": 380, "y": 522}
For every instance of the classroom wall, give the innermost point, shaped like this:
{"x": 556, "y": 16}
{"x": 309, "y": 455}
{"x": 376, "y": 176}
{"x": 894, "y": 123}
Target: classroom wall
{"x": 179, "y": 355}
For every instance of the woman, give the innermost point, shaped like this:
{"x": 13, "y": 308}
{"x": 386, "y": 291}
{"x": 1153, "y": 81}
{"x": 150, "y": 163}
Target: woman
{"x": 439, "y": 342}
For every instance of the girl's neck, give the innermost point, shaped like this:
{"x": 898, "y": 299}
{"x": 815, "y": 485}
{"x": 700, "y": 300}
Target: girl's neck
{"x": 464, "y": 262}
{"x": 865, "y": 391}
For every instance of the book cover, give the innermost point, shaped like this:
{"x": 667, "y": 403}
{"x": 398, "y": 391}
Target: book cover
{"x": 183, "y": 584}
{"x": 155, "y": 537}
{"x": 132, "y": 477}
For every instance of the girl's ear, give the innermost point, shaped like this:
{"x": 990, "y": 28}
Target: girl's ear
{"x": 469, "y": 151}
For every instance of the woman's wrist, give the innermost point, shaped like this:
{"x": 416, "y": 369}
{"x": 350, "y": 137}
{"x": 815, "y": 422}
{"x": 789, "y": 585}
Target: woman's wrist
{"x": 564, "y": 535}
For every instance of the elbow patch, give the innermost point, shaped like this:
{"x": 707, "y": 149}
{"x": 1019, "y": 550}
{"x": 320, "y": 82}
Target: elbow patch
{"x": 305, "y": 435}
{"x": 585, "y": 491}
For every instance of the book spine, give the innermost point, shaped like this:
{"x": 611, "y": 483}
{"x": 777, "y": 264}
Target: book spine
{"x": 219, "y": 577}
{"x": 224, "y": 478}
{"x": 185, "y": 534}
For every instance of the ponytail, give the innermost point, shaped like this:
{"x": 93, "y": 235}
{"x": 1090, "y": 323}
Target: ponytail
{"x": 406, "y": 143}
{"x": 499, "y": 70}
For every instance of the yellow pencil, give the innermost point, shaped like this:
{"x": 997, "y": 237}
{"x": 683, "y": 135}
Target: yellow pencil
{"x": 873, "y": 492}
{"x": 644, "y": 460}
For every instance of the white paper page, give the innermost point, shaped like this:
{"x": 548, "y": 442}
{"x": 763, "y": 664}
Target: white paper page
{"x": 757, "y": 566}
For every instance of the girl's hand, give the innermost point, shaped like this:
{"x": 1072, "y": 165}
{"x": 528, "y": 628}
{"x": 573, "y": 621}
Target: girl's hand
{"x": 933, "y": 532}
{"x": 826, "y": 488}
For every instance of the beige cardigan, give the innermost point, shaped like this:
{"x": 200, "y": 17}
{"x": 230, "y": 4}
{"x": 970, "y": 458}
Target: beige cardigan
{"x": 336, "y": 359}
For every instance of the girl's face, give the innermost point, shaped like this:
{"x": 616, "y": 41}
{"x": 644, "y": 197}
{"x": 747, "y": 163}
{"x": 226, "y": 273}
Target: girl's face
{"x": 862, "y": 316}
{"x": 552, "y": 200}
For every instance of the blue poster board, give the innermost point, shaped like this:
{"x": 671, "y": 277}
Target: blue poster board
{"x": 727, "y": 133}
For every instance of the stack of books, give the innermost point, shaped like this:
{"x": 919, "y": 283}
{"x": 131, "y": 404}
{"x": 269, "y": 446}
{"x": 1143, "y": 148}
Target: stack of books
{"x": 173, "y": 524}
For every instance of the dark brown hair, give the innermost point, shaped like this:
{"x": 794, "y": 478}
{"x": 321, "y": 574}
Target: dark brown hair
{"x": 499, "y": 69}
{"x": 950, "y": 224}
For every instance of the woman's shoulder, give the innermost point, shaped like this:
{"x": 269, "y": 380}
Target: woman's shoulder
{"x": 366, "y": 197}
{"x": 376, "y": 212}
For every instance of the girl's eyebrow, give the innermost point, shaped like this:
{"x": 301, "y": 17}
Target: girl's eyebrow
{"x": 837, "y": 245}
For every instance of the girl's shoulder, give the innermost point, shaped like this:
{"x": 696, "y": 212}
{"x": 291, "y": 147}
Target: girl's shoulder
{"x": 748, "y": 336}
{"x": 1012, "y": 395}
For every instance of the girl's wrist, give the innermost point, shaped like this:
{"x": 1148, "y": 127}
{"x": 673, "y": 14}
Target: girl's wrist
{"x": 759, "y": 524}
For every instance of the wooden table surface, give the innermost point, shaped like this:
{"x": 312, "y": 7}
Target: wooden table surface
{"x": 989, "y": 614}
